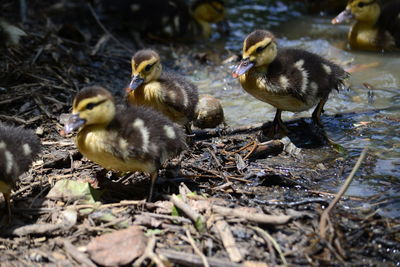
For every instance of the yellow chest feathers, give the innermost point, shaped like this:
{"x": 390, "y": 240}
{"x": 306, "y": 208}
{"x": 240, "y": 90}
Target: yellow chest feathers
{"x": 365, "y": 36}
{"x": 99, "y": 146}
{"x": 274, "y": 95}
{"x": 154, "y": 95}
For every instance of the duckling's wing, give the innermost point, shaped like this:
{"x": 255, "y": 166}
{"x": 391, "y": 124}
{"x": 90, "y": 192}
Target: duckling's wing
{"x": 180, "y": 96}
{"x": 142, "y": 133}
{"x": 305, "y": 73}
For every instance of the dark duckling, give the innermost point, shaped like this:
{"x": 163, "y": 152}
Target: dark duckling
{"x": 161, "y": 90}
{"x": 289, "y": 79}
{"x": 134, "y": 139}
{"x": 18, "y": 148}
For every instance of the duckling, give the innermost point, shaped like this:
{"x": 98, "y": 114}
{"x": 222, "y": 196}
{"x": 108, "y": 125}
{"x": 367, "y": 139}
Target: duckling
{"x": 164, "y": 91}
{"x": 10, "y": 34}
{"x": 377, "y": 25}
{"x": 18, "y": 148}
{"x": 289, "y": 79}
{"x": 134, "y": 139}
{"x": 170, "y": 21}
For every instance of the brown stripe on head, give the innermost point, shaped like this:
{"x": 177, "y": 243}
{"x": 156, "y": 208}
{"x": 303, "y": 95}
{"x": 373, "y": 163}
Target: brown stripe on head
{"x": 144, "y": 55}
{"x": 90, "y": 92}
{"x": 256, "y": 37}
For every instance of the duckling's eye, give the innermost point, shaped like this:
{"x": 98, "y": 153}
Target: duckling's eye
{"x": 260, "y": 49}
{"x": 148, "y": 67}
{"x": 361, "y": 4}
{"x": 90, "y": 106}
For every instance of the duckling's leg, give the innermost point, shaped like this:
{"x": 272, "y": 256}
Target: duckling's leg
{"x": 277, "y": 124}
{"x": 8, "y": 203}
{"x": 188, "y": 128}
{"x": 153, "y": 179}
{"x": 316, "y": 115}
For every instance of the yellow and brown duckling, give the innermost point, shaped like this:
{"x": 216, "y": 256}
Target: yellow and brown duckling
{"x": 289, "y": 79}
{"x": 377, "y": 25}
{"x": 163, "y": 91}
{"x": 18, "y": 148}
{"x": 134, "y": 139}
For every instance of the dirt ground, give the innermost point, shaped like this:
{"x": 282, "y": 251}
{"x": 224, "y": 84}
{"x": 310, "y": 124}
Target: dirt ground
{"x": 242, "y": 202}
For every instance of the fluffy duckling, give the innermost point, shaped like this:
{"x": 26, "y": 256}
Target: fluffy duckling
{"x": 18, "y": 148}
{"x": 172, "y": 20}
{"x": 377, "y": 25}
{"x": 164, "y": 91}
{"x": 289, "y": 79}
{"x": 134, "y": 139}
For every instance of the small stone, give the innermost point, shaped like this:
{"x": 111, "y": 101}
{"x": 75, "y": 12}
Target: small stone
{"x": 39, "y": 131}
{"x": 209, "y": 112}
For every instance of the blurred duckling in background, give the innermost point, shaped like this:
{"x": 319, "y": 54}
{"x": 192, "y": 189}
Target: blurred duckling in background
{"x": 377, "y": 25}
{"x": 169, "y": 21}
{"x": 134, "y": 139}
{"x": 18, "y": 148}
{"x": 289, "y": 79}
{"x": 163, "y": 91}
{"x": 9, "y": 34}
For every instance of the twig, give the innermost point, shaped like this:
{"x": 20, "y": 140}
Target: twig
{"x": 167, "y": 217}
{"x": 253, "y": 217}
{"x": 122, "y": 203}
{"x": 77, "y": 255}
{"x": 228, "y": 240}
{"x": 149, "y": 253}
{"x": 325, "y": 214}
{"x": 196, "y": 249}
{"x": 251, "y": 151}
{"x": 267, "y": 237}
{"x": 219, "y": 165}
{"x": 107, "y": 31}
{"x": 188, "y": 259}
{"x": 196, "y": 217}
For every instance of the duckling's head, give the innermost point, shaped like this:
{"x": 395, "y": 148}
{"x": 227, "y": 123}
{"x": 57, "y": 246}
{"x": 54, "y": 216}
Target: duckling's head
{"x": 211, "y": 11}
{"x": 146, "y": 67}
{"x": 92, "y": 106}
{"x": 259, "y": 49}
{"x": 361, "y": 10}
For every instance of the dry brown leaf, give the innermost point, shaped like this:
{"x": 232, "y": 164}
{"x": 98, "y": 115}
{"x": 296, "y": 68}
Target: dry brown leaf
{"x": 118, "y": 248}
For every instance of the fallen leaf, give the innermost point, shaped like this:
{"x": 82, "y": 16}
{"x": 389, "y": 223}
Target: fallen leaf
{"x": 118, "y": 248}
{"x": 71, "y": 191}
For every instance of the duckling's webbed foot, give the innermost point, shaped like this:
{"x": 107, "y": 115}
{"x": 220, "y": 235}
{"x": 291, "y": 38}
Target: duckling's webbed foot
{"x": 316, "y": 115}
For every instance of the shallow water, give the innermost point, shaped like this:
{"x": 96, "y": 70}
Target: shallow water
{"x": 370, "y": 116}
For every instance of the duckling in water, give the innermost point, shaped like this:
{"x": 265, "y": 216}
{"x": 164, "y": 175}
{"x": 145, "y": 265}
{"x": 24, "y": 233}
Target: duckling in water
{"x": 289, "y": 79}
{"x": 163, "y": 91}
{"x": 18, "y": 148}
{"x": 377, "y": 25}
{"x": 134, "y": 139}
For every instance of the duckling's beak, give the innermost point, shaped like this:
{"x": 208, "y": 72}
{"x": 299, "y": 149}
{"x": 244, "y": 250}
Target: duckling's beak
{"x": 135, "y": 82}
{"x": 343, "y": 16}
{"x": 243, "y": 67}
{"x": 74, "y": 122}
